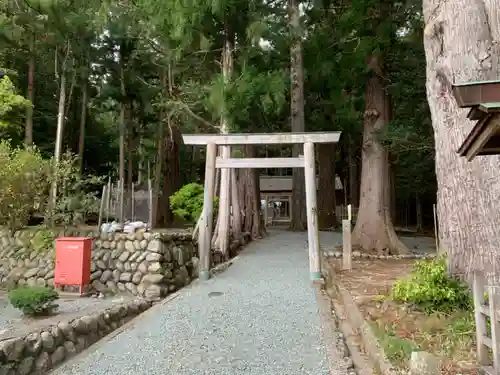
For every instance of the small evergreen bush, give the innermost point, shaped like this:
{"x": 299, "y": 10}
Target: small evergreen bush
{"x": 187, "y": 202}
{"x": 34, "y": 300}
{"x": 431, "y": 289}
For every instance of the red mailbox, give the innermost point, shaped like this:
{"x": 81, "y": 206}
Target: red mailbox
{"x": 73, "y": 258}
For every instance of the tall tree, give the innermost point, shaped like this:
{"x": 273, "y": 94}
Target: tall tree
{"x": 374, "y": 229}
{"x": 462, "y": 45}
{"x": 376, "y": 25}
{"x": 299, "y": 217}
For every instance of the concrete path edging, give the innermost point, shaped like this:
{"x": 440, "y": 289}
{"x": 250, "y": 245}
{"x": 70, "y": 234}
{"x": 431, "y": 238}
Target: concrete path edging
{"x": 355, "y": 325}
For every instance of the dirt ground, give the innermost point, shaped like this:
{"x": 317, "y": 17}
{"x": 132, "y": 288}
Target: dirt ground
{"x": 401, "y": 330}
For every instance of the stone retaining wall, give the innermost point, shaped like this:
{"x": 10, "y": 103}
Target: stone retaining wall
{"x": 144, "y": 264}
{"x": 41, "y": 350}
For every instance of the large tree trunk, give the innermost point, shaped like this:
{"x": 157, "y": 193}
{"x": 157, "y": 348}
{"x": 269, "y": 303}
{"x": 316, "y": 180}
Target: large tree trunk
{"x": 221, "y": 234}
{"x": 122, "y": 128}
{"x": 462, "y": 43}
{"x": 326, "y": 187}
{"x": 168, "y": 159}
{"x": 236, "y": 223}
{"x": 30, "y": 93}
{"x": 83, "y": 119}
{"x": 60, "y": 124}
{"x": 374, "y": 230}
{"x": 418, "y": 215}
{"x": 353, "y": 173}
{"x": 160, "y": 154}
{"x": 249, "y": 184}
{"x": 299, "y": 217}
{"x": 172, "y": 172}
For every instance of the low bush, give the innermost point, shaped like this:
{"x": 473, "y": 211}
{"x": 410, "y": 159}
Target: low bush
{"x": 431, "y": 289}
{"x": 187, "y": 202}
{"x": 23, "y": 184}
{"x": 35, "y": 300}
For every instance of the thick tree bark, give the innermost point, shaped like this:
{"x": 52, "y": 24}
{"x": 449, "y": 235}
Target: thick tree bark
{"x": 130, "y": 171}
{"x": 249, "y": 184}
{"x": 299, "y": 213}
{"x": 236, "y": 223}
{"x": 374, "y": 230}
{"x": 167, "y": 168}
{"x": 326, "y": 187}
{"x": 160, "y": 155}
{"x": 223, "y": 228}
{"x": 462, "y": 44}
{"x": 30, "y": 93}
{"x": 172, "y": 172}
{"x": 83, "y": 119}
{"x": 418, "y": 209}
{"x": 353, "y": 174}
{"x": 158, "y": 173}
{"x": 122, "y": 128}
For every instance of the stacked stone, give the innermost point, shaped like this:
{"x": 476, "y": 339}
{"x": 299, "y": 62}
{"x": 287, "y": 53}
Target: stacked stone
{"x": 22, "y": 264}
{"x": 144, "y": 264}
{"x": 41, "y": 350}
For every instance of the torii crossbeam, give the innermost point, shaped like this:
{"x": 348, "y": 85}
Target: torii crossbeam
{"x": 307, "y": 161}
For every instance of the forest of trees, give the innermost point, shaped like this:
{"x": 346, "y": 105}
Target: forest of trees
{"x": 117, "y": 82}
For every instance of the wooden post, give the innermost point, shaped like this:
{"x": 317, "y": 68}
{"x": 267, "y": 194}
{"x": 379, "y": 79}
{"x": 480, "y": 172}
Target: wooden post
{"x": 206, "y": 223}
{"x": 108, "y": 199}
{"x": 478, "y": 294}
{"x": 494, "y": 302}
{"x": 132, "y": 208}
{"x": 150, "y": 203}
{"x": 121, "y": 190}
{"x": 347, "y": 244}
{"x": 312, "y": 213}
{"x": 101, "y": 207}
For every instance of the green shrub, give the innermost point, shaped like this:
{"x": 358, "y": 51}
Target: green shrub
{"x": 12, "y": 106}
{"x": 187, "y": 202}
{"x": 23, "y": 184}
{"x": 76, "y": 193}
{"x": 431, "y": 289}
{"x": 43, "y": 240}
{"x": 35, "y": 300}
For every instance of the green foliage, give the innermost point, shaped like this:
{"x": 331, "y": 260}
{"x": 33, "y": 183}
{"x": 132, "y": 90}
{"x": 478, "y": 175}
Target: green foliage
{"x": 162, "y": 59}
{"x": 431, "y": 289}
{"x": 35, "y": 300}
{"x": 187, "y": 202}
{"x": 10, "y": 103}
{"x": 43, "y": 240}
{"x": 77, "y": 193}
{"x": 398, "y": 350}
{"x": 23, "y": 184}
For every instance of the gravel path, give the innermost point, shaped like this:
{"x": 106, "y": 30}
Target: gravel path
{"x": 259, "y": 317}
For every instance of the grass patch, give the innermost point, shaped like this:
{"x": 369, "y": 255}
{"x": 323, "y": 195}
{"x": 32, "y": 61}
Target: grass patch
{"x": 401, "y": 330}
{"x": 397, "y": 350}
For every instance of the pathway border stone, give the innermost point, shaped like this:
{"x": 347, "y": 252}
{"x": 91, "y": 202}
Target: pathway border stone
{"x": 45, "y": 348}
{"x": 372, "y": 354}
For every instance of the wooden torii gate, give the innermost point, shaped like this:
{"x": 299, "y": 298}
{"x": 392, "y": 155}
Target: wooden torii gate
{"x": 306, "y": 161}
